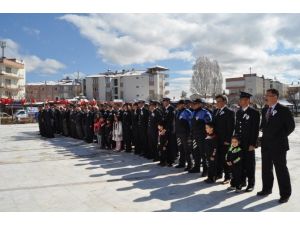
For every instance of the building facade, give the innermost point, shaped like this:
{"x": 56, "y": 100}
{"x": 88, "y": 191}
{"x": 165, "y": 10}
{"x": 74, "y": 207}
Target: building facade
{"x": 12, "y": 78}
{"x": 52, "y": 90}
{"x": 254, "y": 85}
{"x": 127, "y": 85}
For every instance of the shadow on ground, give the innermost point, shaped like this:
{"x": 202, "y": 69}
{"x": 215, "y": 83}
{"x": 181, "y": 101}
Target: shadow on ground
{"x": 180, "y": 188}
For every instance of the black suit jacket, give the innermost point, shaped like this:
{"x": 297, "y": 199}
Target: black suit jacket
{"x": 247, "y": 126}
{"x": 276, "y": 131}
{"x": 168, "y": 118}
{"x": 224, "y": 124}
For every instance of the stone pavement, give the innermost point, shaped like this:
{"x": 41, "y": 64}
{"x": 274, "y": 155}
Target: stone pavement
{"x": 63, "y": 174}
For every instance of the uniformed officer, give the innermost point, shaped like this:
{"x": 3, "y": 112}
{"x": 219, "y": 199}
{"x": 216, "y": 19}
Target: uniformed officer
{"x": 200, "y": 117}
{"x": 89, "y": 123}
{"x": 224, "y": 120}
{"x": 143, "y": 117}
{"x": 49, "y": 118}
{"x": 247, "y": 129}
{"x": 127, "y": 127}
{"x": 135, "y": 118}
{"x": 155, "y": 117}
{"x": 41, "y": 121}
{"x": 182, "y": 126}
{"x": 169, "y": 121}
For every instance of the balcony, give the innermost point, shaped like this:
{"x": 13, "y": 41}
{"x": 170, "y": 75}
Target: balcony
{"x": 11, "y": 87}
{"x": 12, "y": 75}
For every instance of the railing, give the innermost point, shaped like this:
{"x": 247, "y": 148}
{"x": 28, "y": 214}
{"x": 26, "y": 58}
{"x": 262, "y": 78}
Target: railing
{"x": 11, "y": 74}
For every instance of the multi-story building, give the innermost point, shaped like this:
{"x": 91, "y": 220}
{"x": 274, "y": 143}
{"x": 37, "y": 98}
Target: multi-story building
{"x": 127, "y": 85}
{"x": 52, "y": 90}
{"x": 12, "y": 78}
{"x": 254, "y": 85}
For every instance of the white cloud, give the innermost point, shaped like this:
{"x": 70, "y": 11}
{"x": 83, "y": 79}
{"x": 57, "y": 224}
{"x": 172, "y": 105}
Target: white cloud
{"x": 33, "y": 63}
{"x": 31, "y": 31}
{"x": 135, "y": 38}
{"x": 183, "y": 72}
{"x": 177, "y": 85}
{"x": 236, "y": 41}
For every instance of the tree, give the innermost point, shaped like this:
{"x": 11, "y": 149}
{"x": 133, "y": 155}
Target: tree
{"x": 183, "y": 94}
{"x": 259, "y": 100}
{"x": 207, "y": 78}
{"x": 293, "y": 96}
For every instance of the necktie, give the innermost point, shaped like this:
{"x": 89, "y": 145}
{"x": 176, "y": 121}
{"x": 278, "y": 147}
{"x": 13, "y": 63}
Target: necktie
{"x": 268, "y": 114}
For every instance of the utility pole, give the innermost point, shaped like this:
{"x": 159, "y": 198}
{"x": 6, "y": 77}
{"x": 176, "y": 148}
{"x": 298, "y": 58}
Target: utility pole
{"x": 3, "y": 46}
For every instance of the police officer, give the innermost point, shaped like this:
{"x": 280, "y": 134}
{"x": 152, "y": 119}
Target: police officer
{"x": 143, "y": 117}
{"x": 247, "y": 129}
{"x": 224, "y": 119}
{"x": 41, "y": 121}
{"x": 182, "y": 126}
{"x": 49, "y": 118}
{"x": 89, "y": 124}
{"x": 200, "y": 117}
{"x": 135, "y": 118}
{"x": 169, "y": 121}
{"x": 155, "y": 117}
{"x": 127, "y": 127}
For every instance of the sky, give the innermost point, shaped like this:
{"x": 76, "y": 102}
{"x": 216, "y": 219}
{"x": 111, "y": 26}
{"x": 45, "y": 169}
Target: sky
{"x": 56, "y": 45}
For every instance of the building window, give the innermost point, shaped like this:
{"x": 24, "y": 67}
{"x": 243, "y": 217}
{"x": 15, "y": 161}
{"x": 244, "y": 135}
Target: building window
{"x": 70, "y": 88}
{"x": 137, "y": 95}
{"x": 116, "y": 82}
{"x": 116, "y": 91}
{"x": 137, "y": 86}
{"x": 7, "y": 69}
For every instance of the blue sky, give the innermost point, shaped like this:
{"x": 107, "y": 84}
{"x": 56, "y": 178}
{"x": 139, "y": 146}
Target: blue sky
{"x": 53, "y": 45}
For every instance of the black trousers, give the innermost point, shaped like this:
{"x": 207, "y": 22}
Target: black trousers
{"x": 163, "y": 154}
{"x": 142, "y": 147}
{"x": 236, "y": 171}
{"x": 278, "y": 159}
{"x": 221, "y": 164}
{"x": 152, "y": 145}
{"x": 171, "y": 148}
{"x": 183, "y": 145}
{"x": 135, "y": 139}
{"x": 212, "y": 168}
{"x": 248, "y": 164}
{"x": 198, "y": 152}
{"x": 127, "y": 138}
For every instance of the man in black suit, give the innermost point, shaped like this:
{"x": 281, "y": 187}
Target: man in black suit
{"x": 247, "y": 129}
{"x": 135, "y": 118}
{"x": 169, "y": 120}
{"x": 277, "y": 124}
{"x": 155, "y": 117}
{"x": 223, "y": 118}
{"x": 143, "y": 117}
{"x": 127, "y": 127}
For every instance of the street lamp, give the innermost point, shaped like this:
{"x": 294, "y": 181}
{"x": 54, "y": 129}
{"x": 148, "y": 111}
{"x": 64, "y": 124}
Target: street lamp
{"x": 3, "y": 46}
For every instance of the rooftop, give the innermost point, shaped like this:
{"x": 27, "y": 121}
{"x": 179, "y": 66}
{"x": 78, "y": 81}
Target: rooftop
{"x": 62, "y": 82}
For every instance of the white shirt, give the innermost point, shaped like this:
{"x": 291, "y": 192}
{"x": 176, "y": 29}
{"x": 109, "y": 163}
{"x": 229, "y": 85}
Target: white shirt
{"x": 244, "y": 109}
{"x": 273, "y": 106}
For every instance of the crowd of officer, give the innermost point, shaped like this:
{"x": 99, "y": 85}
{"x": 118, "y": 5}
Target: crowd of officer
{"x": 181, "y": 127}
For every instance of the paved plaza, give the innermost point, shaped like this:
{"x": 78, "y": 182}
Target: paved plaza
{"x": 64, "y": 174}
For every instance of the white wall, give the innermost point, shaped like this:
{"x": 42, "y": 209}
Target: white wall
{"x": 130, "y": 89}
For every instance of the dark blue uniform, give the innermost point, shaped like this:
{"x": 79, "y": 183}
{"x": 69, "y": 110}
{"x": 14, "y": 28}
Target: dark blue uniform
{"x": 200, "y": 118}
{"x": 183, "y": 128}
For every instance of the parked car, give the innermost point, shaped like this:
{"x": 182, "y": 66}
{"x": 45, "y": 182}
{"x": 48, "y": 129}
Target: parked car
{"x": 4, "y": 115}
{"x": 21, "y": 114}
